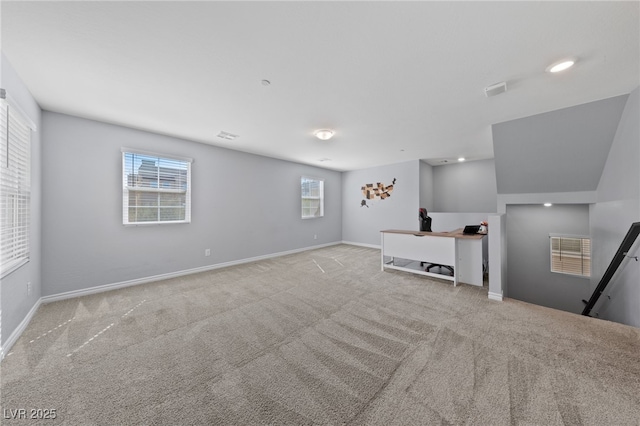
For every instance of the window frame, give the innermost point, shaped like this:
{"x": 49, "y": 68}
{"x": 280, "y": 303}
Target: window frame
{"x": 158, "y": 189}
{"x": 15, "y": 184}
{"x": 310, "y": 197}
{"x": 584, "y": 258}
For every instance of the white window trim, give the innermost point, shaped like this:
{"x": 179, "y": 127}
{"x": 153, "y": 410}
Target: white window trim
{"x": 125, "y": 188}
{"x": 14, "y": 266}
{"x": 156, "y": 154}
{"x": 18, "y": 113}
{"x": 321, "y": 198}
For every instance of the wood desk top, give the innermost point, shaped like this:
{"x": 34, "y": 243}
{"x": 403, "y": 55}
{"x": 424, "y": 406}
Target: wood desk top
{"x": 456, "y": 233}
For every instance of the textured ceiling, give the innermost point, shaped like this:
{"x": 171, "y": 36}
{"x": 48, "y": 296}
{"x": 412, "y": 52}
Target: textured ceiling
{"x": 396, "y": 80}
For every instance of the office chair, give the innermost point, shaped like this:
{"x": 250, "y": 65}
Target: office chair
{"x": 425, "y": 226}
{"x": 425, "y": 220}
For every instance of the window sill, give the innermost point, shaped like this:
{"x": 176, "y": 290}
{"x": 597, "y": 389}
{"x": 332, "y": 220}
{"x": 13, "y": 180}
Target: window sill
{"x": 174, "y": 222}
{"x": 13, "y": 266}
{"x": 588, "y": 277}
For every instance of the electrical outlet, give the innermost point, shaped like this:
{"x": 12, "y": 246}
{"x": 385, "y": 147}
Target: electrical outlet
{"x": 207, "y": 252}
{"x": 315, "y": 237}
{"x": 29, "y": 288}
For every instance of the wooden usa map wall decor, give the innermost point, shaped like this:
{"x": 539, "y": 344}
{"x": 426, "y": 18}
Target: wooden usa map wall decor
{"x": 377, "y": 191}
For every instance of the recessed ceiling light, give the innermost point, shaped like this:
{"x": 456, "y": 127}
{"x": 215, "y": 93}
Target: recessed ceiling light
{"x": 548, "y": 204}
{"x": 561, "y": 66}
{"x": 461, "y": 159}
{"x": 324, "y": 134}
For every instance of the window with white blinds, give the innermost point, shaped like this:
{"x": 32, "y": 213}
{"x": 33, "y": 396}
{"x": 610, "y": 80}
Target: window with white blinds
{"x": 15, "y": 188}
{"x": 571, "y": 255}
{"x": 156, "y": 189}
{"x": 312, "y": 197}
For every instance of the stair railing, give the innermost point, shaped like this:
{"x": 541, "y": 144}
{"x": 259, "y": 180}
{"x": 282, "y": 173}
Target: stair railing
{"x": 622, "y": 252}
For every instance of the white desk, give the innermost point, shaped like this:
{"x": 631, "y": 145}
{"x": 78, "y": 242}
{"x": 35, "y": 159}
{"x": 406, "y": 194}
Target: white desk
{"x": 463, "y": 252}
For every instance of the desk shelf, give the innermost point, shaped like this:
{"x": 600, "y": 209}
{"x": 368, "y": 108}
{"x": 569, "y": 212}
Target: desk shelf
{"x": 413, "y": 266}
{"x": 462, "y": 252}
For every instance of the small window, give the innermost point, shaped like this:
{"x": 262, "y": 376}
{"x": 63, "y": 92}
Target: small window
{"x": 312, "y": 197}
{"x": 571, "y": 255}
{"x": 156, "y": 189}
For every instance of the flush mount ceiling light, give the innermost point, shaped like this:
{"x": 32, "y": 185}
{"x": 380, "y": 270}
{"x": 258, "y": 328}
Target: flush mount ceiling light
{"x": 461, "y": 159}
{"x": 324, "y": 134}
{"x": 548, "y": 204}
{"x": 561, "y": 65}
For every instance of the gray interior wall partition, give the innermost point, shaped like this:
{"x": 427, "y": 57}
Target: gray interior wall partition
{"x": 426, "y": 186}
{"x": 362, "y": 224}
{"x": 618, "y": 206}
{"x": 528, "y": 263}
{"x": 558, "y": 151}
{"x": 465, "y": 187}
{"x": 15, "y": 299}
{"x": 243, "y": 206}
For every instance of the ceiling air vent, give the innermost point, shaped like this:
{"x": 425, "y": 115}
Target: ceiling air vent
{"x": 495, "y": 89}
{"x": 227, "y": 136}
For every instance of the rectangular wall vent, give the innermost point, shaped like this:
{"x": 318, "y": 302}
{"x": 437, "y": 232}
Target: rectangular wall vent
{"x": 495, "y": 89}
{"x": 226, "y": 135}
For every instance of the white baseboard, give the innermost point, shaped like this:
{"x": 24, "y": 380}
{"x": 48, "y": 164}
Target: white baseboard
{"x": 373, "y": 246}
{"x": 13, "y": 338}
{"x": 144, "y": 280}
{"x": 495, "y": 296}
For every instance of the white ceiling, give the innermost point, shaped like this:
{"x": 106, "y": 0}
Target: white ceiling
{"x": 397, "y": 81}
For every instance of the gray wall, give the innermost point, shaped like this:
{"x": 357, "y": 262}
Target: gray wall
{"x": 457, "y": 188}
{"x": 362, "y": 225}
{"x": 465, "y": 187}
{"x": 14, "y": 301}
{"x": 426, "y": 186}
{"x": 243, "y": 206}
{"x": 618, "y": 206}
{"x": 528, "y": 260}
{"x": 558, "y": 151}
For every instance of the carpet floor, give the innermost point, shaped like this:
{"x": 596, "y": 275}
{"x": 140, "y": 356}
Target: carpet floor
{"x": 321, "y": 337}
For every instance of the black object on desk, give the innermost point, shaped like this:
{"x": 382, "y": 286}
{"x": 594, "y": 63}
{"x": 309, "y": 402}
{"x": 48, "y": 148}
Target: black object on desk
{"x": 471, "y": 229}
